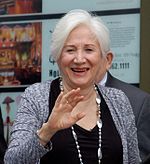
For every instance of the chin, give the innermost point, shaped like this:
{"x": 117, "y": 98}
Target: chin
{"x": 80, "y": 83}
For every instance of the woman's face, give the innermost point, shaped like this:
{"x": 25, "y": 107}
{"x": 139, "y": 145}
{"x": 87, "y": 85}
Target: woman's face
{"x": 81, "y": 59}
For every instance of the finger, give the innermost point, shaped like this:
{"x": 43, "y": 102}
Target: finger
{"x": 78, "y": 117}
{"x": 76, "y": 100}
{"x": 59, "y": 98}
{"x": 72, "y": 95}
{"x": 66, "y": 98}
{"x": 70, "y": 99}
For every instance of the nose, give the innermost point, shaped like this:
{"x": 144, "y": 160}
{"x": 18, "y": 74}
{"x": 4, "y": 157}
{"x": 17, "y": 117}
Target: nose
{"x": 79, "y": 57}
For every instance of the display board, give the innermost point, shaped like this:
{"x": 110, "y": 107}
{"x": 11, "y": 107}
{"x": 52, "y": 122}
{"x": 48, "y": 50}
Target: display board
{"x": 90, "y": 5}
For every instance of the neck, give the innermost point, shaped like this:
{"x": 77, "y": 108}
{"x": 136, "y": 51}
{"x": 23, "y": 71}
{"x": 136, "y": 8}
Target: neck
{"x": 88, "y": 92}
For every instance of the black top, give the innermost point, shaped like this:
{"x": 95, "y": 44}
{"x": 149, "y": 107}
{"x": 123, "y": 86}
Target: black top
{"x": 64, "y": 148}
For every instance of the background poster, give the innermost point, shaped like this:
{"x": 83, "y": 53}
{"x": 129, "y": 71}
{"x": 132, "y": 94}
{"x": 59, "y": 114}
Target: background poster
{"x": 125, "y": 44}
{"x": 90, "y": 5}
{"x": 11, "y": 7}
{"x": 9, "y": 102}
{"x": 49, "y": 67}
{"x": 20, "y": 53}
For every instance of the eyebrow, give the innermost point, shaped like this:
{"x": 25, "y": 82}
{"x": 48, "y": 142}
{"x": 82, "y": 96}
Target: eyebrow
{"x": 70, "y": 45}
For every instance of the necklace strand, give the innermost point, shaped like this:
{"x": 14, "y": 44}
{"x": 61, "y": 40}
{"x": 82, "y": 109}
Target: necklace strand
{"x": 99, "y": 124}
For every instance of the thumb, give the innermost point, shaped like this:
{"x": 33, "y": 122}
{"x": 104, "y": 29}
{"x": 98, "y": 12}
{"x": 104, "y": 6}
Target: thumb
{"x": 79, "y": 116}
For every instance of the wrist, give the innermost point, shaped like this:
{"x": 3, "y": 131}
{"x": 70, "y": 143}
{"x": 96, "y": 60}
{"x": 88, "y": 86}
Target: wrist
{"x": 42, "y": 139}
{"x": 45, "y": 143}
{"x": 44, "y": 134}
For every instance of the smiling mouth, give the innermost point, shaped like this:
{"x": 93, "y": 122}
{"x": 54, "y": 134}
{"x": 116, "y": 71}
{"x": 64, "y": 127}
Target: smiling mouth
{"x": 79, "y": 70}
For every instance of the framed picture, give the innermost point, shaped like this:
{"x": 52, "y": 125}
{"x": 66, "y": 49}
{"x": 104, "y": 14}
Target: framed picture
{"x": 13, "y": 7}
{"x": 20, "y": 53}
{"x": 9, "y": 102}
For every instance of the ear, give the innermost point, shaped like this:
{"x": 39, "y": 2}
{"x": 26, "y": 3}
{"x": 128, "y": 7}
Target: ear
{"x": 109, "y": 59}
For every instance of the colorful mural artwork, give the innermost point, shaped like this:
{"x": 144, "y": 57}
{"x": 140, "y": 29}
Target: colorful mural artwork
{"x": 9, "y": 103}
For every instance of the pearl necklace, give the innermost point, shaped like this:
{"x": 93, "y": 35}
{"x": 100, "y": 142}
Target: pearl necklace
{"x": 99, "y": 124}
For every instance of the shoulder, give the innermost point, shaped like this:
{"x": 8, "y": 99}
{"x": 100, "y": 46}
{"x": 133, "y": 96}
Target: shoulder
{"x": 35, "y": 100}
{"x": 39, "y": 86}
{"x": 116, "y": 100}
{"x": 130, "y": 90}
{"x": 118, "y": 103}
{"x": 37, "y": 89}
{"x": 112, "y": 93}
{"x": 139, "y": 99}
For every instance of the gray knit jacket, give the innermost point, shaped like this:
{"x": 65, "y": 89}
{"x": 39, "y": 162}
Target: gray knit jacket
{"x": 24, "y": 147}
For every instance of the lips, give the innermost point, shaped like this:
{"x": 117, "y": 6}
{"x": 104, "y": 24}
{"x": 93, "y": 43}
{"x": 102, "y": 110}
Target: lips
{"x": 79, "y": 69}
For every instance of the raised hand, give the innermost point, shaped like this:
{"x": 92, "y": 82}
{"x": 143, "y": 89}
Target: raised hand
{"x": 63, "y": 114}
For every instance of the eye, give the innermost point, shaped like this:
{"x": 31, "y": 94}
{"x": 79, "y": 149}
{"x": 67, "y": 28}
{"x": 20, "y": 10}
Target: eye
{"x": 89, "y": 50}
{"x": 70, "y": 50}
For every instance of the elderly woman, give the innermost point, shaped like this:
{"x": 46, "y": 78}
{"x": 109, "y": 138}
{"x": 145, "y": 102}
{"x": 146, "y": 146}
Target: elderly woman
{"x": 71, "y": 120}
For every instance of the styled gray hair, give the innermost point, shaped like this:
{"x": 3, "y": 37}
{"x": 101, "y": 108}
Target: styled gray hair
{"x": 73, "y": 19}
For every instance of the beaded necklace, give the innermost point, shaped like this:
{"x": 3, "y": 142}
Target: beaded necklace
{"x": 99, "y": 124}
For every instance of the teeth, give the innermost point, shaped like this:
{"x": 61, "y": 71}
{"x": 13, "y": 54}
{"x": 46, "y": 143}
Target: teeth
{"x": 79, "y": 70}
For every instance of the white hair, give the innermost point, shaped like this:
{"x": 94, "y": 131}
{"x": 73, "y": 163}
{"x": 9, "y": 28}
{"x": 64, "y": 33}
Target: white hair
{"x": 70, "y": 21}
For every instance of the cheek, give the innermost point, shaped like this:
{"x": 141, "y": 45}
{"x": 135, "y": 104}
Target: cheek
{"x": 64, "y": 61}
{"x": 98, "y": 62}
{"x": 101, "y": 70}
{"x": 64, "y": 64}
{"x": 101, "y": 66}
